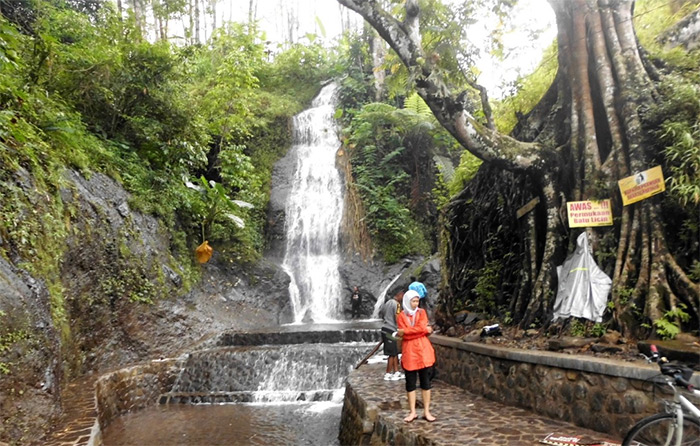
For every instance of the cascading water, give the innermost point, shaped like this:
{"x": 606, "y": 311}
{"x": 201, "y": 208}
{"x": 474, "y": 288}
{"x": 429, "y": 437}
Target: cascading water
{"x": 313, "y": 212}
{"x": 265, "y": 394}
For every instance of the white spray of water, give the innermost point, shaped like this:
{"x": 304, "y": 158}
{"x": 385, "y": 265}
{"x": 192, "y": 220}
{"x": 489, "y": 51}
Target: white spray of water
{"x": 380, "y": 300}
{"x": 313, "y": 214}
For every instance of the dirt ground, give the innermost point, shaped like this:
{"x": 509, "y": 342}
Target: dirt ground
{"x": 612, "y": 345}
{"x": 684, "y": 349}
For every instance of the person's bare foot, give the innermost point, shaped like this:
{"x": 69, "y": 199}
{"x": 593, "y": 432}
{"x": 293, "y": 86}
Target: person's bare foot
{"x": 410, "y": 417}
{"x": 429, "y": 418}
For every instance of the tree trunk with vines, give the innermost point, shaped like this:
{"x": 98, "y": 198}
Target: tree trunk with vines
{"x": 586, "y": 134}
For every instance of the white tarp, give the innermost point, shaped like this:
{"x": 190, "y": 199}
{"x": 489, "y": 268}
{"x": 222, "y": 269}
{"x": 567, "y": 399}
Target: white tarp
{"x": 583, "y": 287}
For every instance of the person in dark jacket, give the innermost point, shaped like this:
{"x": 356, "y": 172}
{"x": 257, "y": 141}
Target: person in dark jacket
{"x": 355, "y": 302}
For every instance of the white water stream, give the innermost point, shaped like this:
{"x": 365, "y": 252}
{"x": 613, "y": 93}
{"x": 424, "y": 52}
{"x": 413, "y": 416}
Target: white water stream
{"x": 313, "y": 211}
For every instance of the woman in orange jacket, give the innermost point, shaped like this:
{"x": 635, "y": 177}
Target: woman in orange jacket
{"x": 417, "y": 353}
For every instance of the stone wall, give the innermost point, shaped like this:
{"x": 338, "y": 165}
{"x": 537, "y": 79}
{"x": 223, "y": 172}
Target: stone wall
{"x": 596, "y": 393}
{"x": 133, "y": 388}
{"x": 599, "y": 394}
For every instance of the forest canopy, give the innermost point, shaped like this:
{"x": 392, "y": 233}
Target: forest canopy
{"x": 598, "y": 122}
{"x": 192, "y": 124}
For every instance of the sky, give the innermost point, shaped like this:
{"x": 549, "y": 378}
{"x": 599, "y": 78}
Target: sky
{"x": 323, "y": 18}
{"x": 272, "y": 16}
{"x": 522, "y": 52}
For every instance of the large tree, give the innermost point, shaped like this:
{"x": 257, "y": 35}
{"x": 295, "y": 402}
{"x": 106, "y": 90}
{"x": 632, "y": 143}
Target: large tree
{"x": 586, "y": 133}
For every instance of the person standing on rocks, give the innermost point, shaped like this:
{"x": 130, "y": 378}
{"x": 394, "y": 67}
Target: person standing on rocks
{"x": 417, "y": 353}
{"x": 355, "y": 302}
{"x": 391, "y": 345}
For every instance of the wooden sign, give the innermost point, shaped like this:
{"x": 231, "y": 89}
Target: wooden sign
{"x": 528, "y": 207}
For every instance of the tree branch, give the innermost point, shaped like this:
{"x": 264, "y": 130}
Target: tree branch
{"x": 483, "y": 142}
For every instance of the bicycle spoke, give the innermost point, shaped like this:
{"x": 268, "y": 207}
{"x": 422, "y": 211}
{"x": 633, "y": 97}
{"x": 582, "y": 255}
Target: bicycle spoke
{"x": 663, "y": 430}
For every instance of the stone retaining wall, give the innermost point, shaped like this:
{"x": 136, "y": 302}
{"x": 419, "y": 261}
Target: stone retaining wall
{"x": 133, "y": 388}
{"x": 596, "y": 393}
{"x": 600, "y": 394}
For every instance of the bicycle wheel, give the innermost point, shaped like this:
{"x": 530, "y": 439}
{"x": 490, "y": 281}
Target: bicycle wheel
{"x": 661, "y": 430}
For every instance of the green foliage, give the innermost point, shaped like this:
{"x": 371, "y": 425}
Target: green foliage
{"x": 678, "y": 121}
{"x": 652, "y": 18}
{"x": 598, "y": 330}
{"x": 298, "y": 72}
{"x": 577, "y": 328}
{"x": 7, "y": 341}
{"x": 669, "y": 326}
{"x": 356, "y": 87}
{"x": 417, "y": 105}
{"x": 526, "y": 92}
{"x": 468, "y": 166}
{"x": 488, "y": 279}
{"x": 584, "y": 328}
{"x": 378, "y": 136}
{"x": 214, "y": 206}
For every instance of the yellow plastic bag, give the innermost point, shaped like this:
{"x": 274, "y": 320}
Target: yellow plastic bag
{"x": 203, "y": 252}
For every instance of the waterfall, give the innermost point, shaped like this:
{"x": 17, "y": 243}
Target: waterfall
{"x": 382, "y": 296}
{"x": 267, "y": 373}
{"x": 313, "y": 212}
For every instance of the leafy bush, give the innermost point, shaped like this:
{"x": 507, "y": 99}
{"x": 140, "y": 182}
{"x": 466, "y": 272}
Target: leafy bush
{"x": 378, "y": 136}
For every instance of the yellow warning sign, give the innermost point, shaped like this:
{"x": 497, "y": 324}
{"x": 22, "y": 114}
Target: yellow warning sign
{"x": 585, "y": 214}
{"x": 642, "y": 185}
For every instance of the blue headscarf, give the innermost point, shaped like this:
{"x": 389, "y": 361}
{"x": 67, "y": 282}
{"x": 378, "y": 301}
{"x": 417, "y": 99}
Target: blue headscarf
{"x": 407, "y": 297}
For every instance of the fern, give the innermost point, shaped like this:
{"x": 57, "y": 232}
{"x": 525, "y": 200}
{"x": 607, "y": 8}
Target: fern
{"x": 416, "y": 104}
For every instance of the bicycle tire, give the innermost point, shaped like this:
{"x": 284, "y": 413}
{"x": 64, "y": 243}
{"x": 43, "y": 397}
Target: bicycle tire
{"x": 659, "y": 430}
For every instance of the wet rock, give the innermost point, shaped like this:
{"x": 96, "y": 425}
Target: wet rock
{"x": 674, "y": 350}
{"x": 569, "y": 342}
{"x": 611, "y": 337}
{"x": 472, "y": 336}
{"x": 461, "y": 316}
{"x": 605, "y": 348}
{"x": 123, "y": 210}
{"x": 172, "y": 275}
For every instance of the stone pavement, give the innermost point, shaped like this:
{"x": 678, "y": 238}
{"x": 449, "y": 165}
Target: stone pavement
{"x": 462, "y": 418}
{"x": 80, "y": 414}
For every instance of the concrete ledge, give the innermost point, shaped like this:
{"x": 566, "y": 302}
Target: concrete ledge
{"x": 601, "y": 366}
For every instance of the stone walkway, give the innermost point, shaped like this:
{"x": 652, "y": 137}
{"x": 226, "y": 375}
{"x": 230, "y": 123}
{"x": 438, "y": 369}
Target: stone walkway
{"x": 80, "y": 414}
{"x": 462, "y": 418}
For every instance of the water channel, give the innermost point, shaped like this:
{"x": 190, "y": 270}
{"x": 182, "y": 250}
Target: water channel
{"x": 267, "y": 394}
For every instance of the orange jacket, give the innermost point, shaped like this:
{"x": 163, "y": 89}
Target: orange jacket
{"x": 416, "y": 352}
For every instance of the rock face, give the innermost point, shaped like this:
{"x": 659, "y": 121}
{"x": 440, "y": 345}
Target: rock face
{"x": 685, "y": 33}
{"x": 282, "y": 175}
{"x": 25, "y": 318}
{"x": 122, "y": 293}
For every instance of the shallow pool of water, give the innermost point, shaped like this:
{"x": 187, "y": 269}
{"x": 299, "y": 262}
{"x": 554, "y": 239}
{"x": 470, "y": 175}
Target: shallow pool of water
{"x": 239, "y": 424}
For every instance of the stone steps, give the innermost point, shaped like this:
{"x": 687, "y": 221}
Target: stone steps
{"x": 80, "y": 414}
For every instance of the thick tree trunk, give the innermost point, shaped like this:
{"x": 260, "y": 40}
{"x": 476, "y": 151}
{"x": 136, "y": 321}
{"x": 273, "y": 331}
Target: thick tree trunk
{"x": 585, "y": 135}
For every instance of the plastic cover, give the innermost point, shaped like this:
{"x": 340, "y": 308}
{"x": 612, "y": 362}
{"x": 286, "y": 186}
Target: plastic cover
{"x": 583, "y": 287}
